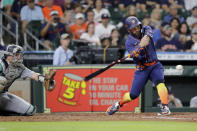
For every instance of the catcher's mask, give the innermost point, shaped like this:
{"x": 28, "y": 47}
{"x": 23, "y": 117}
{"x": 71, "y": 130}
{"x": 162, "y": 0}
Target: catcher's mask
{"x": 16, "y": 52}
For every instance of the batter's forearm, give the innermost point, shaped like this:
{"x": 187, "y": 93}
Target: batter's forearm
{"x": 144, "y": 41}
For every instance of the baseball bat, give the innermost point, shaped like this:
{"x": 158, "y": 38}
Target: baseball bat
{"x": 96, "y": 73}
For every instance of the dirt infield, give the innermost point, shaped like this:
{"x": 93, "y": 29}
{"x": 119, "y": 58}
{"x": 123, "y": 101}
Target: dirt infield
{"x": 101, "y": 116}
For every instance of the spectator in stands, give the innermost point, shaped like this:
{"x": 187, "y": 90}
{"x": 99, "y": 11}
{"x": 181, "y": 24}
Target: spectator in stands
{"x": 59, "y": 2}
{"x": 167, "y": 42}
{"x": 184, "y": 34}
{"x": 41, "y": 3}
{"x": 130, "y": 2}
{"x": 155, "y": 19}
{"x": 130, "y": 11}
{"x": 115, "y": 39}
{"x": 143, "y": 12}
{"x": 99, "y": 10}
{"x": 146, "y": 21}
{"x": 193, "y": 102}
{"x": 194, "y": 25}
{"x": 63, "y": 54}
{"x": 192, "y": 19}
{"x": 79, "y": 26}
{"x": 178, "y": 3}
{"x": 164, "y": 7}
{"x": 90, "y": 36}
{"x": 153, "y": 4}
{"x": 165, "y": 4}
{"x": 117, "y": 12}
{"x": 87, "y": 5}
{"x": 90, "y": 18}
{"x": 189, "y": 4}
{"x": 159, "y": 33}
{"x": 73, "y": 7}
{"x": 7, "y": 4}
{"x": 105, "y": 42}
{"x": 104, "y": 29}
{"x": 15, "y": 13}
{"x": 50, "y": 7}
{"x": 68, "y": 5}
{"x": 77, "y": 9}
{"x": 108, "y": 3}
{"x": 52, "y": 29}
{"x": 191, "y": 46}
{"x": 16, "y": 8}
{"x": 173, "y": 13}
{"x": 175, "y": 24}
{"x": 172, "y": 100}
{"x": 67, "y": 18}
{"x": 30, "y": 12}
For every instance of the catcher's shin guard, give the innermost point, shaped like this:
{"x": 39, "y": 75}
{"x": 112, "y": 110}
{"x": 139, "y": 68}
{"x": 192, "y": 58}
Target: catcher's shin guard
{"x": 30, "y": 111}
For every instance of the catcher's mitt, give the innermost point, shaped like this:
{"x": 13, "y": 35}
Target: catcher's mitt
{"x": 49, "y": 82}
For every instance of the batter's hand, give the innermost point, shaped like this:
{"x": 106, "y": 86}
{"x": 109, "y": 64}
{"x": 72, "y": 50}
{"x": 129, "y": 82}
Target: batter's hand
{"x": 49, "y": 82}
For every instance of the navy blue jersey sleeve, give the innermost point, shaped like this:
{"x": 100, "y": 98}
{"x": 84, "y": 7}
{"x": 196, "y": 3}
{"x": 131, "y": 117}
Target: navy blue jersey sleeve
{"x": 133, "y": 47}
{"x": 148, "y": 31}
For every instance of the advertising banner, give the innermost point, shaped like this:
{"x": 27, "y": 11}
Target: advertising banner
{"x": 72, "y": 94}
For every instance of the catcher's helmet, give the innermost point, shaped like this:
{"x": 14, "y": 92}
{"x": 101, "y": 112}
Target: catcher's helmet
{"x": 131, "y": 22}
{"x": 13, "y": 49}
{"x": 16, "y": 51}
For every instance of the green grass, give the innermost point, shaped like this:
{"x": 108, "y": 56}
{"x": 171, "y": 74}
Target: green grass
{"x": 99, "y": 126}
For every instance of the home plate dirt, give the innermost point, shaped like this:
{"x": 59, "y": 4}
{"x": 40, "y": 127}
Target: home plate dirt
{"x": 101, "y": 116}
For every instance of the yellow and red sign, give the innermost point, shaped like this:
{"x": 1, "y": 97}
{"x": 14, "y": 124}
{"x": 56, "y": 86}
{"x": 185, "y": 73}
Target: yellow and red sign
{"x": 72, "y": 94}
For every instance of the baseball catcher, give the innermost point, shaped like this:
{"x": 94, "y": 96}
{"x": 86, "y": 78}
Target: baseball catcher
{"x": 12, "y": 68}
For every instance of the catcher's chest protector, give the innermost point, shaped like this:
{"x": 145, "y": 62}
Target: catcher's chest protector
{"x": 11, "y": 73}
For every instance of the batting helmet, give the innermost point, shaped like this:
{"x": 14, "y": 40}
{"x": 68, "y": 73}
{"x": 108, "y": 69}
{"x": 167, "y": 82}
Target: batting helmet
{"x": 131, "y": 22}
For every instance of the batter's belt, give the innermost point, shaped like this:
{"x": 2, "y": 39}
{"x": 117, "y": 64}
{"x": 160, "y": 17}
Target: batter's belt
{"x": 141, "y": 67}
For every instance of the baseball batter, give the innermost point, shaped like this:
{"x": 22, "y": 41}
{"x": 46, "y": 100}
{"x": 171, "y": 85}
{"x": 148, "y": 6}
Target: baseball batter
{"x": 140, "y": 46}
{"x": 12, "y": 68}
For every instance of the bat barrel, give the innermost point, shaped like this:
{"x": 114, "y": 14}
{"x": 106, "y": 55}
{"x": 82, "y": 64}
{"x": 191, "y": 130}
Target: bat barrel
{"x": 104, "y": 69}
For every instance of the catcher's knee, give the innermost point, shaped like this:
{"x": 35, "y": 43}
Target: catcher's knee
{"x": 31, "y": 111}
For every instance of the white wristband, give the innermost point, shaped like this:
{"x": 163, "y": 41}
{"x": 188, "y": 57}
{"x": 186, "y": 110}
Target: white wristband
{"x": 41, "y": 78}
